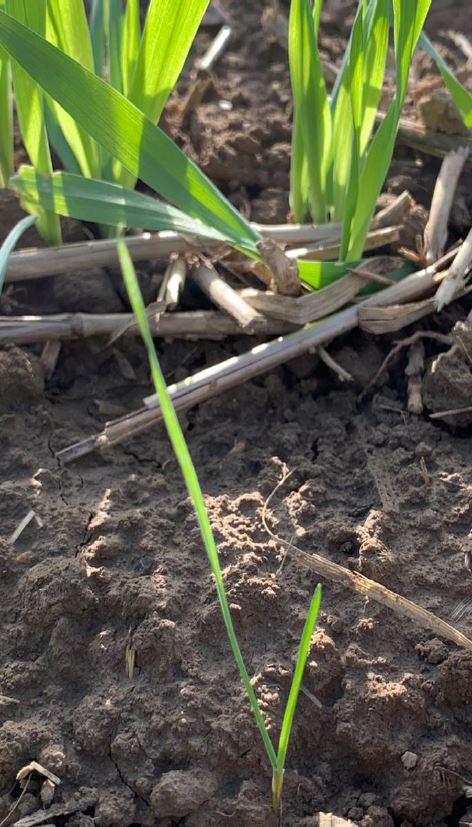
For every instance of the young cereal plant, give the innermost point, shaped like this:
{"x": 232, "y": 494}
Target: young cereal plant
{"x": 277, "y": 757}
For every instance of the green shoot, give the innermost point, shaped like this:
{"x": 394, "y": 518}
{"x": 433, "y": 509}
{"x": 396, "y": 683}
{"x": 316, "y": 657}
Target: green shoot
{"x": 30, "y": 109}
{"x": 461, "y": 96}
{"x": 11, "y": 241}
{"x": 6, "y": 117}
{"x": 192, "y": 482}
{"x": 338, "y": 164}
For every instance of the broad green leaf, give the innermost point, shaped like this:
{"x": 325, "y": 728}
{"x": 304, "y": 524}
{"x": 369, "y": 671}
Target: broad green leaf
{"x": 461, "y": 96}
{"x": 311, "y": 108}
{"x": 130, "y": 41}
{"x": 103, "y": 203}
{"x": 192, "y": 483}
{"x": 169, "y": 31}
{"x": 124, "y": 132}
{"x": 67, "y": 28}
{"x": 29, "y": 101}
{"x": 10, "y": 243}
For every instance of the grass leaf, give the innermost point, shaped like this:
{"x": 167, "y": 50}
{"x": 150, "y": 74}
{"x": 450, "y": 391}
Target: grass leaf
{"x": 104, "y": 203}
{"x": 461, "y": 96}
{"x": 29, "y": 100}
{"x": 192, "y": 483}
{"x": 169, "y": 31}
{"x": 312, "y": 145}
{"x": 292, "y": 701}
{"x": 11, "y": 241}
{"x": 67, "y": 28}
{"x": 125, "y": 132}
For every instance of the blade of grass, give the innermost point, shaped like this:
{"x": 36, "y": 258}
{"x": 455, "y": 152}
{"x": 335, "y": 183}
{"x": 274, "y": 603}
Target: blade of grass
{"x": 305, "y": 641}
{"x": 30, "y": 108}
{"x": 125, "y": 132}
{"x": 312, "y": 146}
{"x": 6, "y": 120}
{"x": 192, "y": 482}
{"x": 461, "y": 96}
{"x": 10, "y": 243}
{"x": 408, "y": 23}
{"x": 130, "y": 42}
{"x": 104, "y": 203}
{"x": 169, "y": 31}
{"x": 67, "y": 28}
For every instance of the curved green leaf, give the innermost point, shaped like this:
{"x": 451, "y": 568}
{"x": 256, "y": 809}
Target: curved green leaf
{"x": 104, "y": 203}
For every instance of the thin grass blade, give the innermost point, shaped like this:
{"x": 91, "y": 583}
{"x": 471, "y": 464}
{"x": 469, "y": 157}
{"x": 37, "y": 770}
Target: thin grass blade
{"x": 11, "y": 241}
{"x": 192, "y": 483}
{"x": 104, "y": 203}
{"x": 125, "y": 133}
{"x": 408, "y": 22}
{"x": 29, "y": 100}
{"x": 312, "y": 144}
{"x": 461, "y": 96}
{"x": 67, "y": 28}
{"x": 6, "y": 120}
{"x": 169, "y": 31}
{"x": 292, "y": 701}
{"x": 130, "y": 42}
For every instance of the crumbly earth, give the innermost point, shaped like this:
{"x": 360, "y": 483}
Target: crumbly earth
{"x": 115, "y": 671}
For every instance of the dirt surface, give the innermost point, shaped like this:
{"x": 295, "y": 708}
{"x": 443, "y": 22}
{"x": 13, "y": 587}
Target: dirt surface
{"x": 115, "y": 672}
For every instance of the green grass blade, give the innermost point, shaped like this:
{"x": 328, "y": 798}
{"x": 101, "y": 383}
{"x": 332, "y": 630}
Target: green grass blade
{"x": 299, "y": 202}
{"x": 29, "y": 100}
{"x": 374, "y": 66}
{"x": 130, "y": 42}
{"x": 6, "y": 120}
{"x": 67, "y": 28}
{"x": 97, "y": 35}
{"x": 125, "y": 132}
{"x": 192, "y": 483}
{"x": 169, "y": 31}
{"x": 318, "y": 274}
{"x": 58, "y": 141}
{"x": 409, "y": 19}
{"x": 114, "y": 18}
{"x": 460, "y": 95}
{"x": 11, "y": 241}
{"x": 292, "y": 701}
{"x": 104, "y": 203}
{"x": 312, "y": 111}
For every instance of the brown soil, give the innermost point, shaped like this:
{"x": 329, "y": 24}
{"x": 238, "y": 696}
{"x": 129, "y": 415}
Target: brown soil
{"x": 116, "y": 565}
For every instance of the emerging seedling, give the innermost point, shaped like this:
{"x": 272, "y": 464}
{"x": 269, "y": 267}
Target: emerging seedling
{"x": 276, "y": 757}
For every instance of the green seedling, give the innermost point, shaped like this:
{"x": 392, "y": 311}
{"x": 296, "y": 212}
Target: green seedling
{"x": 277, "y": 757}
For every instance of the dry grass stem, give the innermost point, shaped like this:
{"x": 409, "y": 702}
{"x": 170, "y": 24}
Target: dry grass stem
{"x": 363, "y": 585}
{"x": 435, "y": 234}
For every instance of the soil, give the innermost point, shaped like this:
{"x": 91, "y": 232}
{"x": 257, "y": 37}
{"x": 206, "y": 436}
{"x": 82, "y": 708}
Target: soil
{"x": 115, "y": 671}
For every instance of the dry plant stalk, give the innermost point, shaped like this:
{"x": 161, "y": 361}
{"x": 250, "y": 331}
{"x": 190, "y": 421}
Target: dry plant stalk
{"x": 198, "y": 324}
{"x": 238, "y": 369}
{"x": 435, "y": 234}
{"x": 414, "y": 371}
{"x": 455, "y": 279}
{"x": 229, "y": 300}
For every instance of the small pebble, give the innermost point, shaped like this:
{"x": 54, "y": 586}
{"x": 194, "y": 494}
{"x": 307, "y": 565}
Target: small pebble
{"x": 409, "y": 760}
